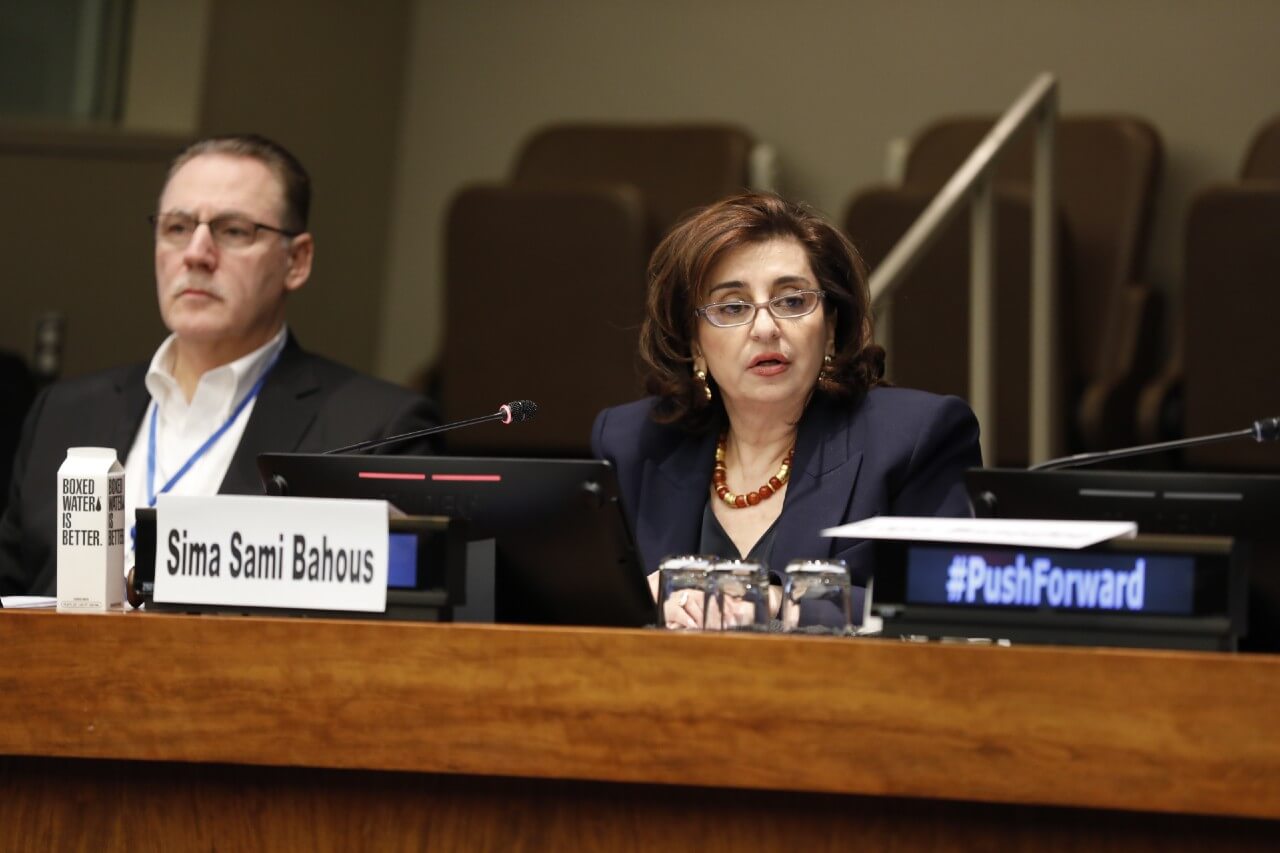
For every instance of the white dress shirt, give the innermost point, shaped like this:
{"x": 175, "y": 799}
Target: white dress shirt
{"x": 182, "y": 427}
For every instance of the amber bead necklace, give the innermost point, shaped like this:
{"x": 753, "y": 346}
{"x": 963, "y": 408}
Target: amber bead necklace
{"x": 721, "y": 488}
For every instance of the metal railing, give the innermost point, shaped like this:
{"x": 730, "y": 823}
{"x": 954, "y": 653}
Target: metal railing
{"x": 973, "y": 183}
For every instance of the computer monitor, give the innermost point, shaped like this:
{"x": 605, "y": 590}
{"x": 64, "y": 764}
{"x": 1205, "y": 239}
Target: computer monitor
{"x": 563, "y": 551}
{"x": 1243, "y": 506}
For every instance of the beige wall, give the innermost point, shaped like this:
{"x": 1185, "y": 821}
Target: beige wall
{"x": 828, "y": 82}
{"x": 167, "y": 51}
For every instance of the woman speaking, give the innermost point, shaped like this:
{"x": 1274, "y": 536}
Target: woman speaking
{"x": 769, "y": 419}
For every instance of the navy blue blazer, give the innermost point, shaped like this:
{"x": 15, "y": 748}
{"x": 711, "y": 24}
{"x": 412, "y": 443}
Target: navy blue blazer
{"x": 893, "y": 451}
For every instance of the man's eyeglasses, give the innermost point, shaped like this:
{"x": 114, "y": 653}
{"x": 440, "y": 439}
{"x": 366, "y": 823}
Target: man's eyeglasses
{"x": 228, "y": 232}
{"x": 788, "y": 306}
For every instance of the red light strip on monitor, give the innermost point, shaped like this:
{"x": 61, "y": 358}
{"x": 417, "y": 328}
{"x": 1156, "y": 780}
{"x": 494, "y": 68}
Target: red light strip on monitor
{"x": 448, "y": 478}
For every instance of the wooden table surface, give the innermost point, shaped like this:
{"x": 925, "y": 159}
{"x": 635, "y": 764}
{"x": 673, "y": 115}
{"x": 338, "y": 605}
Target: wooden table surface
{"x": 1150, "y": 731}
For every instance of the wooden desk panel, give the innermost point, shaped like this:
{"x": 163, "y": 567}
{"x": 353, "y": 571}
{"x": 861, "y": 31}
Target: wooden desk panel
{"x": 1103, "y": 729}
{"x": 66, "y": 804}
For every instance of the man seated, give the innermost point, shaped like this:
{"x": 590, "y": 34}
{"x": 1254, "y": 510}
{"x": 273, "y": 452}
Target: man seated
{"x": 230, "y": 382}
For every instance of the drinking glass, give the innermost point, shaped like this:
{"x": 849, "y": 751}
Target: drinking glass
{"x": 817, "y": 597}
{"x": 682, "y": 591}
{"x": 737, "y": 596}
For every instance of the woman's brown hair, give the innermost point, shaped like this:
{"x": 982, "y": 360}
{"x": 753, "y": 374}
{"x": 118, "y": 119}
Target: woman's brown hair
{"x": 677, "y": 274}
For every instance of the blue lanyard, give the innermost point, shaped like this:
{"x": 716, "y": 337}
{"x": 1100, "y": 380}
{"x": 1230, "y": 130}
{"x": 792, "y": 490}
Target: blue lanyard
{"x": 202, "y": 449}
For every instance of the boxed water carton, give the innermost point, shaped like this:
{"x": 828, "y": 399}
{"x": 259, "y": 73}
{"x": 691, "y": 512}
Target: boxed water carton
{"x": 90, "y": 530}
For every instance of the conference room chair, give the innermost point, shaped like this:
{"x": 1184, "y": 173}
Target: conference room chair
{"x": 545, "y": 273}
{"x": 543, "y": 301}
{"x": 1220, "y": 374}
{"x": 674, "y": 167}
{"x": 1262, "y": 162}
{"x": 1108, "y": 319}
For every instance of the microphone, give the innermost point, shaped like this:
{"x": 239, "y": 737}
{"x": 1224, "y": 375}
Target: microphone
{"x": 1264, "y": 429}
{"x": 515, "y": 412}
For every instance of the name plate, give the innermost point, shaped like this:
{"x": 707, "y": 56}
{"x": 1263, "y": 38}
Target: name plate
{"x": 306, "y": 553}
{"x": 1150, "y": 591}
{"x": 1054, "y": 580}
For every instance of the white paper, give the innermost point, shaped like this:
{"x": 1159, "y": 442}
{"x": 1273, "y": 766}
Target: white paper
{"x": 1035, "y": 533}
{"x": 28, "y": 602}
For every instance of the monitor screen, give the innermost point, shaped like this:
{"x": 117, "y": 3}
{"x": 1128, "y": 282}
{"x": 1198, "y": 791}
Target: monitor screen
{"x": 563, "y": 551}
{"x": 402, "y": 561}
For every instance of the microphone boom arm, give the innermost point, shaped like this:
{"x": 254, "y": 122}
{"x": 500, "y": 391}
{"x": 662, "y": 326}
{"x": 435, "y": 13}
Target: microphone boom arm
{"x": 1266, "y": 429}
{"x": 513, "y": 412}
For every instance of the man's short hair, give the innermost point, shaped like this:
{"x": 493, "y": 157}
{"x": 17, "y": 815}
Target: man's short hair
{"x": 294, "y": 180}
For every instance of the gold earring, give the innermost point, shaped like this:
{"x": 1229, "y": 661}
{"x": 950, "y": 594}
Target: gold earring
{"x": 701, "y": 375}
{"x": 826, "y": 376}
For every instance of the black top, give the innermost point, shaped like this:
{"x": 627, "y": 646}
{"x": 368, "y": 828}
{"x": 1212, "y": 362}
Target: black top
{"x": 715, "y": 541}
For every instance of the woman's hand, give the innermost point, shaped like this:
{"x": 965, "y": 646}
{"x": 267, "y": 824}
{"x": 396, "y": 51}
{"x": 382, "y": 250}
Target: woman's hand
{"x": 687, "y": 608}
{"x": 683, "y": 610}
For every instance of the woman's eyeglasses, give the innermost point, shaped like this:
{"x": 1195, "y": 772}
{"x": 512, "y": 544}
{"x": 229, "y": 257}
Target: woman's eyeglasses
{"x": 788, "y": 306}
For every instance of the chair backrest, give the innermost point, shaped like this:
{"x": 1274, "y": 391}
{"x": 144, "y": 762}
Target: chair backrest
{"x": 1106, "y": 175}
{"x": 544, "y": 296}
{"x": 1230, "y": 304}
{"x": 674, "y": 167}
{"x": 1262, "y": 163}
{"x": 546, "y": 275}
{"x": 1107, "y": 169}
{"x": 929, "y": 326}
{"x": 1218, "y": 376}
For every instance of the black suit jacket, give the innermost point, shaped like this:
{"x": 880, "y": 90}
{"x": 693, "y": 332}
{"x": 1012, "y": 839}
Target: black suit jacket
{"x": 308, "y": 404}
{"x": 891, "y": 452}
